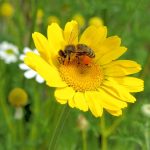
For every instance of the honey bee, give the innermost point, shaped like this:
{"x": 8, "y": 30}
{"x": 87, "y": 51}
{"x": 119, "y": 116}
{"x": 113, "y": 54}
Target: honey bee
{"x": 66, "y": 53}
{"x": 81, "y": 52}
{"x": 82, "y": 49}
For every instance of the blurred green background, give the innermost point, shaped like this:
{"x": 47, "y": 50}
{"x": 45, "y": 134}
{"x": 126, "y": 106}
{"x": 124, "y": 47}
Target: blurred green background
{"x": 129, "y": 19}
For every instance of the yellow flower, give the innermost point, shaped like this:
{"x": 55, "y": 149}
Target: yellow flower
{"x": 40, "y": 15}
{"x": 96, "y": 21}
{"x": 7, "y": 10}
{"x": 52, "y": 19}
{"x": 18, "y": 97}
{"x": 82, "y": 123}
{"x": 80, "y": 19}
{"x": 87, "y": 83}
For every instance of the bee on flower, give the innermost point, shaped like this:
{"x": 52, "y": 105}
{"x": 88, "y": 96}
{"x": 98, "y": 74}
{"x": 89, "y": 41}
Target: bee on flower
{"x": 84, "y": 70}
{"x": 29, "y": 73}
{"x": 8, "y": 52}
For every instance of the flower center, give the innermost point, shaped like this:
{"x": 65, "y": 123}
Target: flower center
{"x": 9, "y": 51}
{"x": 82, "y": 77}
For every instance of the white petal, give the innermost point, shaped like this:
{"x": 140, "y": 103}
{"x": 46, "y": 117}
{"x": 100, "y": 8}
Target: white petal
{"x": 26, "y": 49}
{"x": 23, "y": 66}
{"x": 39, "y": 79}
{"x": 10, "y": 59}
{"x": 21, "y": 57}
{"x": 30, "y": 74}
{"x": 35, "y": 51}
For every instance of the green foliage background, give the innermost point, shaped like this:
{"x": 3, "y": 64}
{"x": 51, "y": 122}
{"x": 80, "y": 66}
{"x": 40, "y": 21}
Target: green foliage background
{"x": 128, "y": 19}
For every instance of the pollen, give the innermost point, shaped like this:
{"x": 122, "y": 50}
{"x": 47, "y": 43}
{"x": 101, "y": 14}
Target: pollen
{"x": 82, "y": 77}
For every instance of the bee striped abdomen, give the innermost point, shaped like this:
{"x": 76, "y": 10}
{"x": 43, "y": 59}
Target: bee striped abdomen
{"x": 83, "y": 49}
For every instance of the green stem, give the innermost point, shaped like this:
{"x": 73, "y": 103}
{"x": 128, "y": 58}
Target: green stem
{"x": 19, "y": 125}
{"x": 59, "y": 127}
{"x": 145, "y": 71}
{"x": 84, "y": 140}
{"x": 3, "y": 105}
{"x": 146, "y": 133}
{"x": 6, "y": 115}
{"x": 103, "y": 133}
{"x": 35, "y": 6}
{"x": 36, "y": 112}
{"x": 112, "y": 128}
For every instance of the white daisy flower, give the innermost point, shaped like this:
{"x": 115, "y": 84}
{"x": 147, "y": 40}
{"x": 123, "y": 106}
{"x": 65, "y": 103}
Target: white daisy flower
{"x": 8, "y": 52}
{"x": 29, "y": 73}
{"x": 146, "y": 110}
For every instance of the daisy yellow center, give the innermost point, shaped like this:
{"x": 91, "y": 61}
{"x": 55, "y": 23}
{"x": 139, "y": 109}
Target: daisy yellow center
{"x": 9, "y": 51}
{"x": 82, "y": 77}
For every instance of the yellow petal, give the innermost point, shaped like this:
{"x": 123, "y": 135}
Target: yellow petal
{"x": 93, "y": 36}
{"x": 64, "y": 93}
{"x": 49, "y": 73}
{"x": 61, "y": 101}
{"x": 108, "y": 101}
{"x": 108, "y": 45}
{"x": 112, "y": 87}
{"x": 115, "y": 113}
{"x": 71, "y": 32}
{"x": 111, "y": 55}
{"x": 132, "y": 84}
{"x": 55, "y": 39}
{"x": 80, "y": 102}
{"x": 111, "y": 43}
{"x": 71, "y": 102}
{"x": 121, "y": 68}
{"x": 42, "y": 46}
{"x": 94, "y": 104}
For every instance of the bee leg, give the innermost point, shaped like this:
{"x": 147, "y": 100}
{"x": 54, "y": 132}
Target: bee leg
{"x": 78, "y": 59}
{"x": 69, "y": 58}
{"x": 61, "y": 60}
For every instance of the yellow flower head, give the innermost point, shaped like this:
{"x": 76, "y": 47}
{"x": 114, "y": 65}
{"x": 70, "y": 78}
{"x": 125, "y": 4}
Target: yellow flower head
{"x": 7, "y": 10}
{"x": 80, "y": 19}
{"x": 84, "y": 70}
{"x": 96, "y": 21}
{"x": 52, "y": 19}
{"x": 40, "y": 15}
{"x": 82, "y": 123}
{"x": 18, "y": 97}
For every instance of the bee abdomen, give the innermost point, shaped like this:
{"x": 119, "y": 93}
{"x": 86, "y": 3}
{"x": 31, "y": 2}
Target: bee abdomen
{"x": 91, "y": 53}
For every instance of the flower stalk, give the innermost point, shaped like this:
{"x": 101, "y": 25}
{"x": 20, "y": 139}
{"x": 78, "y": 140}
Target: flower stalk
{"x": 59, "y": 127}
{"x": 84, "y": 136}
{"x": 103, "y": 133}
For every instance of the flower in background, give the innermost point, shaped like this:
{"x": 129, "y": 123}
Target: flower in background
{"x": 96, "y": 21}
{"x": 146, "y": 110}
{"x": 82, "y": 123}
{"x": 85, "y": 71}
{"x": 18, "y": 98}
{"x": 39, "y": 17}
{"x": 8, "y": 52}
{"x": 29, "y": 73}
{"x": 6, "y": 9}
{"x": 52, "y": 19}
{"x": 80, "y": 19}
